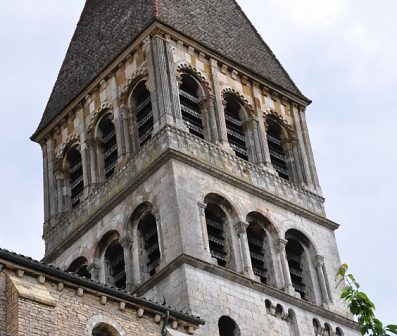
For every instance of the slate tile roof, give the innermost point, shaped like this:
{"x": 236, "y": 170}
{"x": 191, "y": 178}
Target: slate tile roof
{"x": 107, "y": 27}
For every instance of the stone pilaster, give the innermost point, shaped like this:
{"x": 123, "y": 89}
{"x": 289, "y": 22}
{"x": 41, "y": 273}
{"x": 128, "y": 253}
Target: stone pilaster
{"x": 52, "y": 188}
{"x": 309, "y": 151}
{"x": 220, "y": 127}
{"x": 163, "y": 82}
{"x": 241, "y": 229}
{"x": 303, "y": 158}
{"x": 117, "y": 118}
{"x": 46, "y": 187}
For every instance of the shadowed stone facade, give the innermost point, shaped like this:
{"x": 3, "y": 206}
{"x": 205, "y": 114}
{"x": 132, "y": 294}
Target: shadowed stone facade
{"x": 182, "y": 174}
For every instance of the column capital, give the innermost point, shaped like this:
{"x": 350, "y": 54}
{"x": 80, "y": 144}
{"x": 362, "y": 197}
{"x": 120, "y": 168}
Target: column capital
{"x": 241, "y": 227}
{"x": 280, "y": 244}
{"x": 318, "y": 261}
{"x": 126, "y": 242}
{"x": 202, "y": 206}
{"x": 95, "y": 265}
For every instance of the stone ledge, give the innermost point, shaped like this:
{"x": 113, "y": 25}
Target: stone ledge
{"x": 247, "y": 282}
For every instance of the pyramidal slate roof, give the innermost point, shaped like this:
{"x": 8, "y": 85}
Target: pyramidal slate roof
{"x": 107, "y": 27}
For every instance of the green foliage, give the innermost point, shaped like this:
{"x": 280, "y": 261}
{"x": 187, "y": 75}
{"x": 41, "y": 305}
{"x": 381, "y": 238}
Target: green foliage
{"x": 361, "y": 306}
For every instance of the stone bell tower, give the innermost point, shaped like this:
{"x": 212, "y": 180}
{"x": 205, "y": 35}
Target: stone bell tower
{"x": 178, "y": 166}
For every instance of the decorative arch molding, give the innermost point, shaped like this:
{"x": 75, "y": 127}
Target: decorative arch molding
{"x": 72, "y": 141}
{"x": 106, "y": 239}
{"x": 230, "y": 91}
{"x": 224, "y": 202}
{"x": 98, "y": 319}
{"x": 273, "y": 228}
{"x": 185, "y": 68}
{"x": 291, "y": 226}
{"x": 131, "y": 82}
{"x": 106, "y": 108}
{"x": 281, "y": 120}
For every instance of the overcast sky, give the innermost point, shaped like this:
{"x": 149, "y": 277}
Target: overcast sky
{"x": 341, "y": 53}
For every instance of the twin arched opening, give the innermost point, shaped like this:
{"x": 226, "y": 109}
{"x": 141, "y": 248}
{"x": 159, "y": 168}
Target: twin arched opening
{"x": 129, "y": 261}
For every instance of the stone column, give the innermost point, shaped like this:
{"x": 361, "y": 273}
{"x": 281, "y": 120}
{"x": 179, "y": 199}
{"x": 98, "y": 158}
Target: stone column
{"x": 303, "y": 158}
{"x": 319, "y": 264}
{"x": 117, "y": 118}
{"x": 126, "y": 243}
{"x": 309, "y": 151}
{"x": 281, "y": 245}
{"x": 220, "y": 127}
{"x": 95, "y": 270}
{"x": 203, "y": 223}
{"x": 136, "y": 270}
{"x": 46, "y": 188}
{"x": 241, "y": 229}
{"x": 294, "y": 158}
{"x": 127, "y": 120}
{"x": 258, "y": 157}
{"x": 163, "y": 82}
{"x": 93, "y": 160}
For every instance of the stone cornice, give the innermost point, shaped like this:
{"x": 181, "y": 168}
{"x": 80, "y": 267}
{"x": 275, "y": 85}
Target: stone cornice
{"x": 247, "y": 282}
{"x": 172, "y": 143}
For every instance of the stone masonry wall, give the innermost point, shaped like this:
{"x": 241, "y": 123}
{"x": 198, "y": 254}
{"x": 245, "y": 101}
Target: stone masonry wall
{"x": 212, "y": 296}
{"x": 2, "y": 303}
{"x": 50, "y": 309}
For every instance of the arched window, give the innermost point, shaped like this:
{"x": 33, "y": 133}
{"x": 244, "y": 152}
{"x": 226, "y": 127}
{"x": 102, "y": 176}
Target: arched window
{"x": 317, "y": 326}
{"x": 75, "y": 174}
{"x": 109, "y": 145}
{"x": 143, "y": 111}
{"x": 79, "y": 266}
{"x": 215, "y": 220}
{"x": 189, "y": 93}
{"x": 149, "y": 244}
{"x": 104, "y": 329}
{"x": 327, "y": 330}
{"x": 235, "y": 131}
{"x": 278, "y": 154}
{"x": 227, "y": 327}
{"x": 295, "y": 253}
{"x": 339, "y": 332}
{"x": 259, "y": 235}
{"x": 115, "y": 265}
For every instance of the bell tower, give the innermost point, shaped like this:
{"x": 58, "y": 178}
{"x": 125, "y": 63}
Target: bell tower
{"x": 178, "y": 166}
